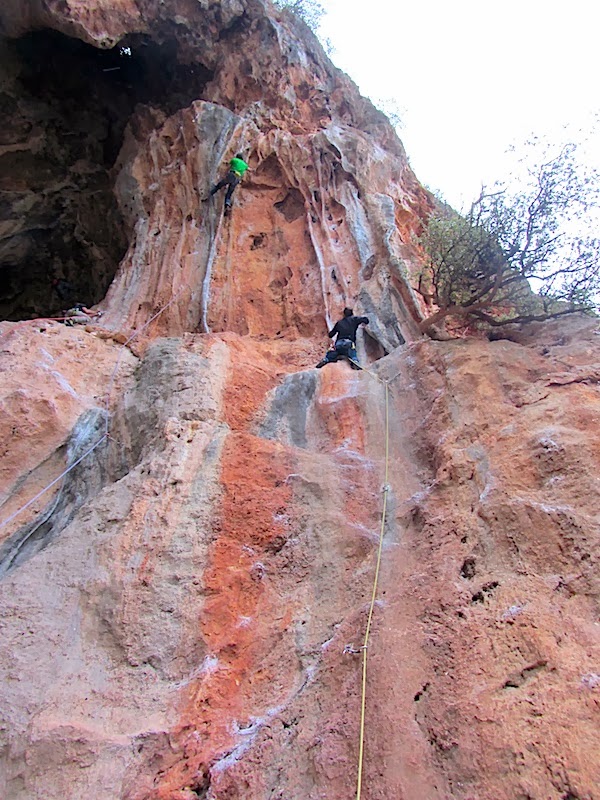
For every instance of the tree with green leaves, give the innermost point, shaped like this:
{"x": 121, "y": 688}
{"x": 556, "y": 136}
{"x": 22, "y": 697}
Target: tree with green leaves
{"x": 518, "y": 255}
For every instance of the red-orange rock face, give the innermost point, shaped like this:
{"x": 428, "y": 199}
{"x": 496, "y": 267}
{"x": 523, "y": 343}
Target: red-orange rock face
{"x": 175, "y": 611}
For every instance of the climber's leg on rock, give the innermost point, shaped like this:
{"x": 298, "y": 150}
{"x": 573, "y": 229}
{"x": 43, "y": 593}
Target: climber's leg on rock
{"x": 218, "y": 186}
{"x": 353, "y": 358}
{"x": 330, "y": 357}
{"x": 347, "y": 349}
{"x": 232, "y": 180}
{"x": 334, "y": 355}
{"x": 344, "y": 348}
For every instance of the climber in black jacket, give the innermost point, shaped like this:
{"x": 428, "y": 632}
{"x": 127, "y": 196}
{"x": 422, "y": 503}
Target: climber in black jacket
{"x": 345, "y": 344}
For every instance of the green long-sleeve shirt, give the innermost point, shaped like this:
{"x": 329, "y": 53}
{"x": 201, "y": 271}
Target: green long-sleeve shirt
{"x": 238, "y": 166}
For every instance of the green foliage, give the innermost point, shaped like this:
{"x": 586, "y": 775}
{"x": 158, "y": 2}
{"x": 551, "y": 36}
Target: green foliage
{"x": 311, "y": 11}
{"x": 518, "y": 254}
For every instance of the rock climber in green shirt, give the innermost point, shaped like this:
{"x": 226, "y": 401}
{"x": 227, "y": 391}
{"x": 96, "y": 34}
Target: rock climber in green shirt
{"x": 237, "y": 168}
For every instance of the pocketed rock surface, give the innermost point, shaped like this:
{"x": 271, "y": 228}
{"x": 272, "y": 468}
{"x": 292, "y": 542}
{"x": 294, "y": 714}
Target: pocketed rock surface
{"x": 175, "y": 611}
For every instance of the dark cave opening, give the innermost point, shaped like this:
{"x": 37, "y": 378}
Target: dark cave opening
{"x": 373, "y": 348}
{"x": 65, "y": 105}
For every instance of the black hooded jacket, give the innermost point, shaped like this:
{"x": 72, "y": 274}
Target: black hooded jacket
{"x": 346, "y": 327}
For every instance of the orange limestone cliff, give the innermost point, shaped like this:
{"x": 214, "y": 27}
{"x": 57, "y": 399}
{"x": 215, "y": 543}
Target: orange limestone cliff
{"x": 191, "y": 512}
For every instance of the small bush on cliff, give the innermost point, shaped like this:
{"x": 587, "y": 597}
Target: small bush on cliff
{"x": 518, "y": 256}
{"x": 311, "y": 11}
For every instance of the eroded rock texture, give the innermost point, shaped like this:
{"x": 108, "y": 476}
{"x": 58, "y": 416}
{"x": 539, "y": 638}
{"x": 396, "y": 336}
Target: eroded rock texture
{"x": 174, "y": 611}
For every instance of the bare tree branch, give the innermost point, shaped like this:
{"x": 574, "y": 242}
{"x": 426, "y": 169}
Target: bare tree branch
{"x": 480, "y": 264}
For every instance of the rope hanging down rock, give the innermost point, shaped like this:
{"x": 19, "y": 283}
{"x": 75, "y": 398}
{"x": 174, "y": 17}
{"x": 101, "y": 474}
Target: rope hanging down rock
{"x": 105, "y": 435}
{"x": 365, "y": 645}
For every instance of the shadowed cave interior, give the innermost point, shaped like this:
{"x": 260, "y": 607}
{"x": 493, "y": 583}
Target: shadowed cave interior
{"x": 65, "y": 106}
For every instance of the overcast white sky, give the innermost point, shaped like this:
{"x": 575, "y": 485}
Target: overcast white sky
{"x": 471, "y": 78}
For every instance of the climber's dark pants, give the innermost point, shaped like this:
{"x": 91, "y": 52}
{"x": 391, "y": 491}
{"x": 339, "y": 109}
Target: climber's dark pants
{"x": 230, "y": 180}
{"x": 344, "y": 348}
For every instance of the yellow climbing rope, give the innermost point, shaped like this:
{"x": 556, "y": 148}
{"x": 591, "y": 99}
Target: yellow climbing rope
{"x": 365, "y": 646}
{"x": 368, "y": 371}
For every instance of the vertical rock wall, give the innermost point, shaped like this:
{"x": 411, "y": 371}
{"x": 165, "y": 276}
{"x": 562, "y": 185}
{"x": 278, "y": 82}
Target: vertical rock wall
{"x": 174, "y": 611}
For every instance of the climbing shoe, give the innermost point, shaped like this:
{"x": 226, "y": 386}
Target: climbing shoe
{"x": 321, "y": 363}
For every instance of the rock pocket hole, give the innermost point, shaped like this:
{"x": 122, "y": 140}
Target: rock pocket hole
{"x": 485, "y": 591}
{"x": 419, "y": 695}
{"x": 259, "y": 240}
{"x": 374, "y": 349}
{"x": 517, "y": 679}
{"x": 292, "y": 206}
{"x": 199, "y": 788}
{"x": 468, "y": 568}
